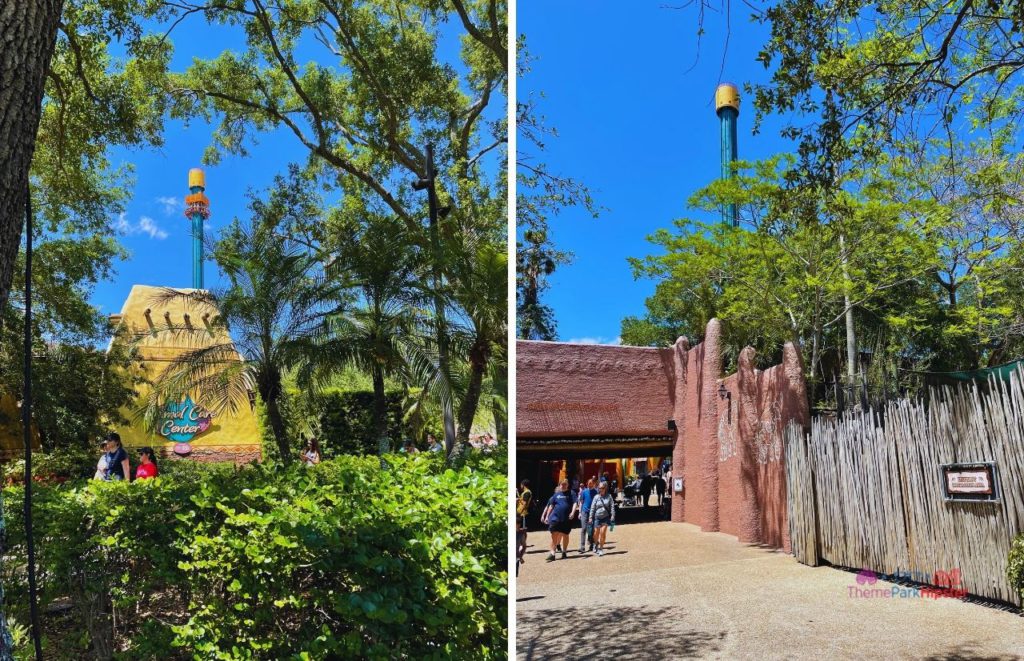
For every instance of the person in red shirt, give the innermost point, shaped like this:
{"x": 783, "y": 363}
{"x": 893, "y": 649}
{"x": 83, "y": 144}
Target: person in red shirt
{"x": 147, "y": 464}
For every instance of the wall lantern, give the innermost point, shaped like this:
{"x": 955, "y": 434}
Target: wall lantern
{"x": 723, "y": 393}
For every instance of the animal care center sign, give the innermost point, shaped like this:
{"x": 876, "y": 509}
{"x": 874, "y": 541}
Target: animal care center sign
{"x": 182, "y": 422}
{"x": 969, "y": 481}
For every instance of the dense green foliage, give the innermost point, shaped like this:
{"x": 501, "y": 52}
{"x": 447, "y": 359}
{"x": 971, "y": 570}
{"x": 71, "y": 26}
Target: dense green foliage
{"x": 888, "y": 244}
{"x": 1015, "y": 565}
{"x": 342, "y": 421}
{"x": 77, "y": 390}
{"x": 266, "y": 562}
{"x": 924, "y": 256}
{"x": 884, "y": 71}
{"x": 364, "y": 87}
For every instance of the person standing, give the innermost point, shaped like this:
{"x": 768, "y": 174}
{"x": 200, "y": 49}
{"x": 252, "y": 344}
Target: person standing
{"x": 434, "y": 444}
{"x": 118, "y": 466}
{"x": 557, "y": 517}
{"x": 659, "y": 486}
{"x": 523, "y": 503}
{"x": 587, "y": 493}
{"x": 311, "y": 455}
{"x": 147, "y": 465}
{"x": 646, "y": 487}
{"x": 101, "y": 465}
{"x": 602, "y": 513}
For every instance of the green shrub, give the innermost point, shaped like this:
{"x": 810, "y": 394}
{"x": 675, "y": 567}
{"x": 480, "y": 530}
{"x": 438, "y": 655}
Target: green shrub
{"x": 345, "y": 420}
{"x": 70, "y": 463}
{"x": 1015, "y": 565}
{"x": 341, "y": 560}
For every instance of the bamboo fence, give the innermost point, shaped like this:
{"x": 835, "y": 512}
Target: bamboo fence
{"x": 866, "y": 490}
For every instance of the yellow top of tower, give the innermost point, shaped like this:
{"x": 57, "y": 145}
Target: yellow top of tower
{"x": 727, "y": 95}
{"x": 196, "y": 177}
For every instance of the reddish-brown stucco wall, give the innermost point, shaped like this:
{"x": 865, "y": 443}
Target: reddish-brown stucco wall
{"x": 731, "y": 447}
{"x": 728, "y": 450}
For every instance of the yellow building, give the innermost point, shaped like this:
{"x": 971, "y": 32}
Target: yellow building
{"x": 12, "y": 441}
{"x": 150, "y": 316}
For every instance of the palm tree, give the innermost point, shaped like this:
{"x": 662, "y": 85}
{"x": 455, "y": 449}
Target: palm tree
{"x": 386, "y": 334}
{"x": 479, "y": 284}
{"x": 275, "y": 307}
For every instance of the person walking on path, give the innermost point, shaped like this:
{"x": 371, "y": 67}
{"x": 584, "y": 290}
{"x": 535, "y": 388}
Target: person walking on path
{"x": 118, "y": 466}
{"x": 147, "y": 464}
{"x": 587, "y": 493}
{"x": 659, "y": 486}
{"x": 557, "y": 517}
{"x": 602, "y": 513}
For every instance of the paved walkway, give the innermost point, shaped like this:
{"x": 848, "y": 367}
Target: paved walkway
{"x": 668, "y": 591}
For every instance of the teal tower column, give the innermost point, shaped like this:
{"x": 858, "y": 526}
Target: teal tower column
{"x": 197, "y": 209}
{"x": 727, "y": 107}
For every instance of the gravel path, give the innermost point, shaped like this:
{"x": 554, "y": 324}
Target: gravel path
{"x": 668, "y": 591}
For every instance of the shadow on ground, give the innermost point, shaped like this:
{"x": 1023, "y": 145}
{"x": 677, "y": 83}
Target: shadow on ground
{"x": 969, "y": 652}
{"x": 601, "y": 632}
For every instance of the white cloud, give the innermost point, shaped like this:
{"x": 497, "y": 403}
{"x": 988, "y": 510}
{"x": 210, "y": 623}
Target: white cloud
{"x": 146, "y": 225}
{"x": 170, "y": 204}
{"x": 596, "y": 340}
{"x": 149, "y": 226}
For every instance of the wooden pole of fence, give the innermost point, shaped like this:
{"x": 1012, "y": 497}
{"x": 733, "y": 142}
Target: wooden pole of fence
{"x": 865, "y": 489}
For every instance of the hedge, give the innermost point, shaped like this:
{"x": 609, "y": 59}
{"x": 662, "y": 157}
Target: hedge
{"x": 346, "y": 420}
{"x": 342, "y": 560}
{"x": 1015, "y": 564}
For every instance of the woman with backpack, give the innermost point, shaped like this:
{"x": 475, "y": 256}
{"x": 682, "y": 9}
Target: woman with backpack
{"x": 602, "y": 513}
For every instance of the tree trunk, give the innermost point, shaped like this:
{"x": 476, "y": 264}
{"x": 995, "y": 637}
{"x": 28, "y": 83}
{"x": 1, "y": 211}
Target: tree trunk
{"x": 499, "y": 377}
{"x": 851, "y": 337}
{"x": 500, "y": 423}
{"x": 269, "y": 385}
{"x": 812, "y": 368}
{"x": 28, "y": 32}
{"x": 380, "y": 412}
{"x": 467, "y": 410}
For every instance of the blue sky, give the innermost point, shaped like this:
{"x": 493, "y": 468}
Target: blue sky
{"x": 153, "y": 228}
{"x": 637, "y": 124}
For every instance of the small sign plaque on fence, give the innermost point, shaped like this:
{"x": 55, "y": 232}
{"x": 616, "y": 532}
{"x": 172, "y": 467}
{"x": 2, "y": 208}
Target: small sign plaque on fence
{"x": 970, "y": 481}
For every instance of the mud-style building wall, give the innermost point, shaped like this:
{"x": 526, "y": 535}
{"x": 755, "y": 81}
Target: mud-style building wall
{"x": 727, "y": 438}
{"x": 147, "y": 316}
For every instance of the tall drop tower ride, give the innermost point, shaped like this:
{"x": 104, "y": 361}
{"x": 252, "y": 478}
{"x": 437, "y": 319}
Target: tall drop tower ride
{"x": 727, "y": 107}
{"x": 197, "y": 209}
